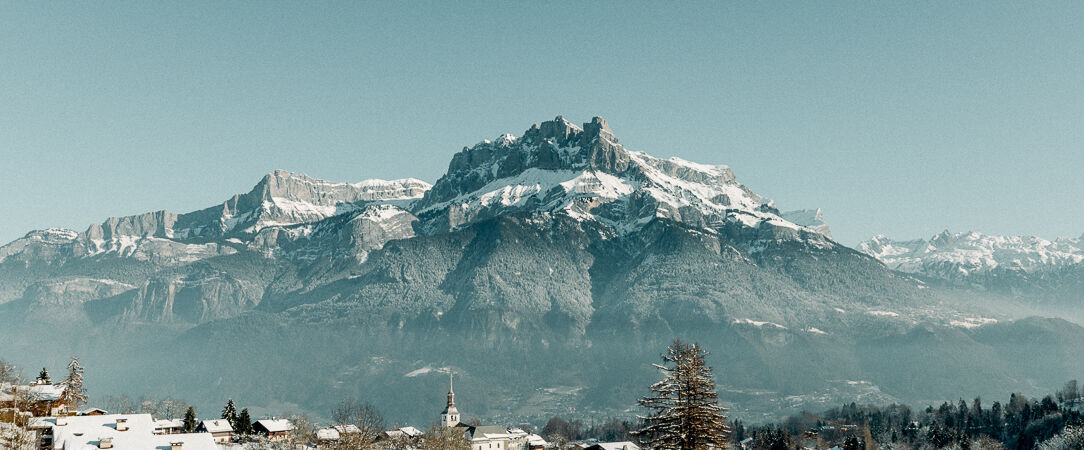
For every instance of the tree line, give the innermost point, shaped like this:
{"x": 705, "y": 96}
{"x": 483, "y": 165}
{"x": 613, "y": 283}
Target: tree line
{"x": 682, "y": 412}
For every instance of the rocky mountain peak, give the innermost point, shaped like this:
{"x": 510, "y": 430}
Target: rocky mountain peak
{"x": 559, "y": 130}
{"x": 557, "y": 144}
{"x": 583, "y": 171}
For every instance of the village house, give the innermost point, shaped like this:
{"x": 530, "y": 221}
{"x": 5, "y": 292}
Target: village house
{"x": 403, "y": 433}
{"x": 326, "y": 437}
{"x": 535, "y": 442}
{"x": 274, "y": 429}
{"x": 92, "y": 412}
{"x": 39, "y": 398}
{"x": 119, "y": 431}
{"x": 168, "y": 426}
{"x": 220, "y": 429}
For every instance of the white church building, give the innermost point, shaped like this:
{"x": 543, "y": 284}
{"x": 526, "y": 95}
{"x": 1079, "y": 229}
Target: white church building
{"x": 484, "y": 437}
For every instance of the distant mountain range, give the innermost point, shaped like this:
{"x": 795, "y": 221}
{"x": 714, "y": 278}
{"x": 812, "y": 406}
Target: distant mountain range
{"x": 537, "y": 268}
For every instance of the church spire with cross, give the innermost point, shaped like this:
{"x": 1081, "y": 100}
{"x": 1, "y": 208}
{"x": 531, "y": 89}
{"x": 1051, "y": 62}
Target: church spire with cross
{"x": 450, "y": 416}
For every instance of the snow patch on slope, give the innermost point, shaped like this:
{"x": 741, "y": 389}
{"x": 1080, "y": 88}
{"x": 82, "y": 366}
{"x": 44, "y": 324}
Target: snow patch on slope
{"x": 972, "y": 322}
{"x": 758, "y": 324}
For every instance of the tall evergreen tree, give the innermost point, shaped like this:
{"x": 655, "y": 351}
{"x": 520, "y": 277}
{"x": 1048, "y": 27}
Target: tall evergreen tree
{"x": 43, "y": 376}
{"x": 190, "y": 420}
{"x": 244, "y": 423}
{"x": 685, "y": 412}
{"x": 74, "y": 390}
{"x": 229, "y": 412}
{"x": 996, "y": 421}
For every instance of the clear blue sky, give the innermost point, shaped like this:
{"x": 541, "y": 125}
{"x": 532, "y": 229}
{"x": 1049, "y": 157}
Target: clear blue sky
{"x": 902, "y": 119}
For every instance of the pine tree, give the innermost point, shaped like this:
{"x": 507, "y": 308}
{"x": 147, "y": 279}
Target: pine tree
{"x": 244, "y": 423}
{"x": 190, "y": 420}
{"x": 74, "y": 389}
{"x": 230, "y": 413}
{"x": 685, "y": 411}
{"x": 43, "y": 376}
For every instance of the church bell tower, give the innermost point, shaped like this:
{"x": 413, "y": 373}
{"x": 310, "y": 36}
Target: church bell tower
{"x": 450, "y": 416}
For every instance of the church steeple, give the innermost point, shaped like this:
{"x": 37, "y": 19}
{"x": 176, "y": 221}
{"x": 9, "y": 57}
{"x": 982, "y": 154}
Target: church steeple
{"x": 450, "y": 416}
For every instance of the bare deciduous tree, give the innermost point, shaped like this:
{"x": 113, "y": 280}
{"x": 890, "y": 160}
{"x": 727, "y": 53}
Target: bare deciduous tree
{"x": 368, "y": 420}
{"x": 440, "y": 438}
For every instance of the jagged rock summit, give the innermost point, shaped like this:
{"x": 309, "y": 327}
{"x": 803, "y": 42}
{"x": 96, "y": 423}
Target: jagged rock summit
{"x": 586, "y": 173}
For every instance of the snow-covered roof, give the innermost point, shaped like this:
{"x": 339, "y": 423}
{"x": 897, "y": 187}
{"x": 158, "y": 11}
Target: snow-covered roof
{"x": 36, "y": 392}
{"x": 623, "y": 445}
{"x": 411, "y": 431}
{"x": 327, "y": 434}
{"x": 169, "y": 423}
{"x": 488, "y": 432}
{"x": 404, "y": 431}
{"x": 216, "y": 426}
{"x": 45, "y": 392}
{"x": 85, "y": 432}
{"x": 275, "y": 425}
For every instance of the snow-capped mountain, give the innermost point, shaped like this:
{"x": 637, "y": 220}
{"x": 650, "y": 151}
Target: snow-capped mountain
{"x": 956, "y": 255}
{"x": 280, "y": 200}
{"x": 585, "y": 173}
{"x": 555, "y": 168}
{"x": 556, "y": 249}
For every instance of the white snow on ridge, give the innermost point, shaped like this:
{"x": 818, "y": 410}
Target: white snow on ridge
{"x": 146, "y": 248}
{"x": 883, "y": 313}
{"x": 304, "y": 210}
{"x": 682, "y": 192}
{"x": 399, "y": 188}
{"x": 399, "y": 183}
{"x": 717, "y": 170}
{"x": 955, "y": 254}
{"x": 600, "y": 184}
